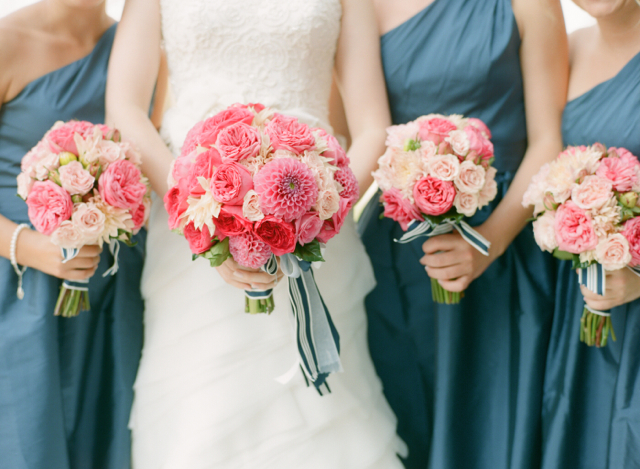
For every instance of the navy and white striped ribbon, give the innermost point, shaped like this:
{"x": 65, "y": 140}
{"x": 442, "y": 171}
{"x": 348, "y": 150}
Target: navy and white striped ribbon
{"x": 317, "y": 339}
{"x": 271, "y": 267}
{"x": 80, "y": 285}
{"x": 594, "y": 277}
{"x": 429, "y": 229}
{"x": 635, "y": 270}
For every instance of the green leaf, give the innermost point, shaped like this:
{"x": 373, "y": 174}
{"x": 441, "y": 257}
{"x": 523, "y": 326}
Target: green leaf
{"x": 310, "y": 252}
{"x": 576, "y": 264}
{"x": 218, "y": 253}
{"x": 562, "y": 255}
{"x": 450, "y": 214}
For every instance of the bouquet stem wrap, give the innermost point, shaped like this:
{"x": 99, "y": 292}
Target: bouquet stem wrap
{"x": 258, "y": 302}
{"x": 429, "y": 228}
{"x": 595, "y": 325}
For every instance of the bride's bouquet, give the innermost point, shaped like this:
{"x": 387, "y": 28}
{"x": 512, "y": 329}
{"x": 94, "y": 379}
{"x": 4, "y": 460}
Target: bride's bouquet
{"x": 253, "y": 184}
{"x": 586, "y": 210}
{"x": 436, "y": 171}
{"x": 83, "y": 186}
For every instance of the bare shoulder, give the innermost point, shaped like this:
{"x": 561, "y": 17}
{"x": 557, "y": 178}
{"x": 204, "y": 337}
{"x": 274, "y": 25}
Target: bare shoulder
{"x": 534, "y": 14}
{"x": 579, "y": 40}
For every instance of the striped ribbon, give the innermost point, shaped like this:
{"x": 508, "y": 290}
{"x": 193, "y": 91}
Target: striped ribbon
{"x": 429, "y": 229}
{"x": 80, "y": 285}
{"x": 317, "y": 339}
{"x": 594, "y": 278}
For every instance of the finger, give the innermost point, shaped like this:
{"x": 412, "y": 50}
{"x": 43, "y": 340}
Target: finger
{"x": 79, "y": 274}
{"x": 444, "y": 259}
{"x": 448, "y": 273}
{"x": 601, "y": 305}
{"x": 589, "y": 295}
{"x": 457, "y": 285}
{"x": 444, "y": 242}
{"x": 227, "y": 276}
{"x": 90, "y": 251}
{"x": 82, "y": 263}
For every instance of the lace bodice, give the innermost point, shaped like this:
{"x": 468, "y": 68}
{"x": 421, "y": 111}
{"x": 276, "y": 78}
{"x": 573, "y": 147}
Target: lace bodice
{"x": 276, "y": 52}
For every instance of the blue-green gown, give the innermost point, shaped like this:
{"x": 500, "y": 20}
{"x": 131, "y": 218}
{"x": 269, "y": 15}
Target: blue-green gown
{"x": 465, "y": 381}
{"x": 591, "y": 414}
{"x": 65, "y": 383}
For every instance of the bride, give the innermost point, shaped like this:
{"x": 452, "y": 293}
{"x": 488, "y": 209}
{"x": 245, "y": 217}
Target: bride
{"x": 206, "y": 394}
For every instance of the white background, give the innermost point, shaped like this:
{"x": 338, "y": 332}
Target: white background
{"x": 574, "y": 16}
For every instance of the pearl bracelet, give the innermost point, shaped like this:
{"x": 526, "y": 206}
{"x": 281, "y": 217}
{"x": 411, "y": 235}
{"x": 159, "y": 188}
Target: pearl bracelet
{"x": 14, "y": 263}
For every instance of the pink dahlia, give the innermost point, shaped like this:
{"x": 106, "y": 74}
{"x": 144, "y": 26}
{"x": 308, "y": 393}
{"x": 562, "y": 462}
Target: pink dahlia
{"x": 248, "y": 250}
{"x": 350, "y": 188}
{"x": 286, "y": 188}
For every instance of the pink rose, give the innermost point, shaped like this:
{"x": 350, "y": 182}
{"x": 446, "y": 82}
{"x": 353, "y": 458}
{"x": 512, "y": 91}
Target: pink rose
{"x": 593, "y": 192}
{"x": 237, "y": 142}
{"x": 544, "y": 231}
{"x": 75, "y": 179}
{"x": 204, "y": 166}
{"x": 328, "y": 203}
{"x": 459, "y": 142}
{"x": 248, "y": 250}
{"x": 434, "y": 196}
{"x": 251, "y": 206}
{"x": 619, "y": 168}
{"x": 490, "y": 188}
{"x": 68, "y": 236}
{"x": 62, "y": 137}
{"x": 43, "y": 167}
{"x": 49, "y": 205}
{"x": 214, "y": 125}
{"x": 175, "y": 202}
{"x": 120, "y": 185}
{"x": 140, "y": 215}
{"x": 333, "y": 225}
{"x": 436, "y": 129}
{"x": 478, "y": 124}
{"x": 25, "y": 183}
{"x": 471, "y": 177}
{"x": 199, "y": 240}
{"x": 286, "y": 133}
{"x": 110, "y": 152}
{"x": 131, "y": 153}
{"x": 478, "y": 143}
{"x": 631, "y": 231}
{"x": 231, "y": 222}
{"x": 399, "y": 209}
{"x": 308, "y": 227}
{"x": 335, "y": 152}
{"x": 89, "y": 220}
{"x": 613, "y": 252}
{"x": 180, "y": 168}
{"x": 466, "y": 203}
{"x": 444, "y": 167}
{"x": 191, "y": 140}
{"x": 574, "y": 229}
{"x": 277, "y": 233}
{"x": 230, "y": 183}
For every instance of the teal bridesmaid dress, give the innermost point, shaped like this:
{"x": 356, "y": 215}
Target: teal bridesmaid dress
{"x": 65, "y": 383}
{"x": 591, "y": 413}
{"x": 465, "y": 381}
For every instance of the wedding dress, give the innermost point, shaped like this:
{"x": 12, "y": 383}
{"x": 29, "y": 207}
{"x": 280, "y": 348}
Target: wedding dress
{"x": 206, "y": 394}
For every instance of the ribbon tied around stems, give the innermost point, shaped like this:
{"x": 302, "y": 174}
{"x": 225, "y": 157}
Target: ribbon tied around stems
{"x": 594, "y": 278}
{"x": 271, "y": 267}
{"x": 429, "y": 228}
{"x": 71, "y": 253}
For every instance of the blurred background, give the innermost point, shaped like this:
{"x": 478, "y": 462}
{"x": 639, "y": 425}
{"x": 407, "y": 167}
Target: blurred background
{"x": 574, "y": 17}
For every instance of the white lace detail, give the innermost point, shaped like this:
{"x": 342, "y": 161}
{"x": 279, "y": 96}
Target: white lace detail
{"x": 280, "y": 55}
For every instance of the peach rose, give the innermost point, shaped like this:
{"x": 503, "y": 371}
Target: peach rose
{"x": 466, "y": 203}
{"x": 444, "y": 167}
{"x": 251, "y": 206}
{"x": 68, "y": 236}
{"x": 89, "y": 221}
{"x": 471, "y": 178}
{"x": 613, "y": 252}
{"x": 75, "y": 179}
{"x": 594, "y": 192}
{"x": 544, "y": 231}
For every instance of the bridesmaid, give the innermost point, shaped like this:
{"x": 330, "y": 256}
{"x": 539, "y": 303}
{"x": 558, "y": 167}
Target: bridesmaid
{"x": 65, "y": 383}
{"x": 591, "y": 412}
{"x": 466, "y": 380}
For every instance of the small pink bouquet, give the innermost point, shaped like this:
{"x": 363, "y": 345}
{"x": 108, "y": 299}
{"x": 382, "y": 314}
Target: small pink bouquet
{"x": 586, "y": 210}
{"x": 253, "y": 184}
{"x": 83, "y": 186}
{"x": 436, "y": 171}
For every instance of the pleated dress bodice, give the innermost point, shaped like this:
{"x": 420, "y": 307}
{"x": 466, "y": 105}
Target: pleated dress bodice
{"x": 591, "y": 396}
{"x": 65, "y": 383}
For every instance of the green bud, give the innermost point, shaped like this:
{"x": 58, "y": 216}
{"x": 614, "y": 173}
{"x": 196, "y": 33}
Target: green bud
{"x": 411, "y": 145}
{"x": 628, "y": 199}
{"x": 76, "y": 198}
{"x": 66, "y": 158}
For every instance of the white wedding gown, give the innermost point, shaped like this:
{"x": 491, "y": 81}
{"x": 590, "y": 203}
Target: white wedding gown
{"x": 206, "y": 394}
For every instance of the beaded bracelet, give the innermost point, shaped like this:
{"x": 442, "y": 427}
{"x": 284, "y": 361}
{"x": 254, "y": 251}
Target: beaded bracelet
{"x": 14, "y": 263}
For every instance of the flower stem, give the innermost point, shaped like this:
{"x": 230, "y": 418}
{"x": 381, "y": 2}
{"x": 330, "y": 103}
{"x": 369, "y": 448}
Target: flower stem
{"x": 442, "y": 296}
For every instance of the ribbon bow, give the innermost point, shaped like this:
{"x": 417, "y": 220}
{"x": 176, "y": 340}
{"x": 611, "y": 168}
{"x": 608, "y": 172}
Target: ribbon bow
{"x": 429, "y": 228}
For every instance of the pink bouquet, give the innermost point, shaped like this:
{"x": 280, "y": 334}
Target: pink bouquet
{"x": 436, "y": 171}
{"x": 83, "y": 186}
{"x": 586, "y": 210}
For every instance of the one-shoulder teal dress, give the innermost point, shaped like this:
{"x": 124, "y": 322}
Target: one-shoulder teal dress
{"x": 464, "y": 380}
{"x": 65, "y": 383}
{"x": 591, "y": 415}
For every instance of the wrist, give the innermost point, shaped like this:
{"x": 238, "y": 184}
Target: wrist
{"x": 496, "y": 236}
{"x": 26, "y": 244}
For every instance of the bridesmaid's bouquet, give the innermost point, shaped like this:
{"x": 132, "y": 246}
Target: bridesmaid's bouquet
{"x": 83, "y": 186}
{"x": 586, "y": 210}
{"x": 253, "y": 184}
{"x": 435, "y": 172}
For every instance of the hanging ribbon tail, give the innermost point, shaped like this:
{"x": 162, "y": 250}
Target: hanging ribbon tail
{"x": 428, "y": 229}
{"x": 114, "y": 249}
{"x": 594, "y": 278}
{"x": 317, "y": 338}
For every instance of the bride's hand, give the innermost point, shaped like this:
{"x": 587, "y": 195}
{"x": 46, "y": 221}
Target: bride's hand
{"x": 247, "y": 279}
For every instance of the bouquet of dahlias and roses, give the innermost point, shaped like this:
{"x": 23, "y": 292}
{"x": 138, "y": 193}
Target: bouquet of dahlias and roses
{"x": 253, "y": 184}
{"x": 436, "y": 171}
{"x": 586, "y": 210}
{"x": 83, "y": 186}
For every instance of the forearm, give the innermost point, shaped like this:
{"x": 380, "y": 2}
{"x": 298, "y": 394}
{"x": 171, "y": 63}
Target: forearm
{"x": 365, "y": 150}
{"x": 509, "y": 217}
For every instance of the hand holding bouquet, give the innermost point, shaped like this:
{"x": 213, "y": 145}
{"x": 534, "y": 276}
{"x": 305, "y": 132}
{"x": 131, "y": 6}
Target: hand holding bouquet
{"x": 253, "y": 184}
{"x": 586, "y": 210}
{"x": 436, "y": 171}
{"x": 83, "y": 186}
